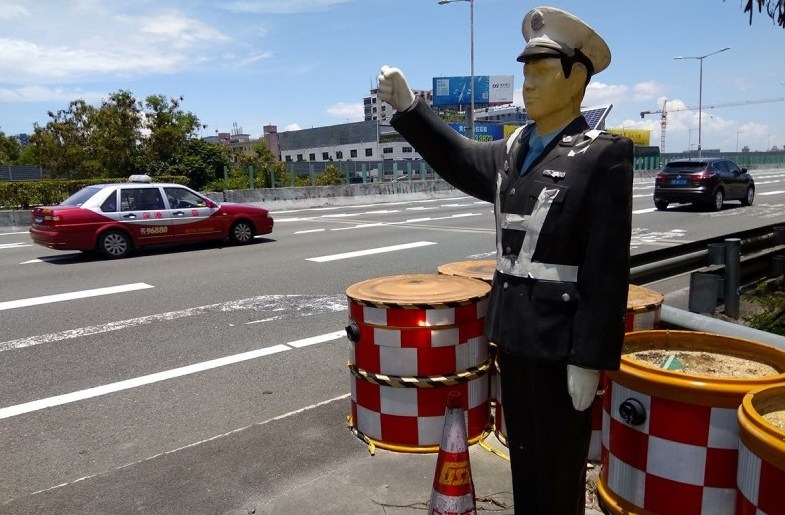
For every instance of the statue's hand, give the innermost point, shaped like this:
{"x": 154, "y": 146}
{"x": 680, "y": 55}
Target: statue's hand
{"x": 394, "y": 89}
{"x": 582, "y": 385}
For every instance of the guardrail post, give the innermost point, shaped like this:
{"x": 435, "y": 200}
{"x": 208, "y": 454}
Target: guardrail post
{"x": 704, "y": 288}
{"x": 732, "y": 276}
{"x": 716, "y": 253}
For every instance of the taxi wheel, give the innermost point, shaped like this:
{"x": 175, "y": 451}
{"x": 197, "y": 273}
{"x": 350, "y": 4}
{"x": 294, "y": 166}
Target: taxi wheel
{"x": 241, "y": 233}
{"x": 114, "y": 244}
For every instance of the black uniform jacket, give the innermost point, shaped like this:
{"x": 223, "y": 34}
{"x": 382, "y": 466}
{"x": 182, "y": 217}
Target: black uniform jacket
{"x": 588, "y": 225}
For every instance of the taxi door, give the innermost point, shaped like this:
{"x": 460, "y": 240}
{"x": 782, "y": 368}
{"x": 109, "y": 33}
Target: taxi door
{"x": 192, "y": 215}
{"x": 143, "y": 212}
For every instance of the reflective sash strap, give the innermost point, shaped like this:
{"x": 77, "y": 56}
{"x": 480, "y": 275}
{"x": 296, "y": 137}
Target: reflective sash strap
{"x": 523, "y": 266}
{"x": 514, "y": 221}
{"x": 536, "y": 221}
{"x": 497, "y": 207}
{"x": 542, "y": 271}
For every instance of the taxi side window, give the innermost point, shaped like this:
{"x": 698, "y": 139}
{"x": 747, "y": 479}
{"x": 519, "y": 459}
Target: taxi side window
{"x": 141, "y": 199}
{"x": 110, "y": 204}
{"x": 180, "y": 198}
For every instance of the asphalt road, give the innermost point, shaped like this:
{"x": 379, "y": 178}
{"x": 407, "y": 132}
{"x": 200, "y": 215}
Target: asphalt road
{"x": 175, "y": 380}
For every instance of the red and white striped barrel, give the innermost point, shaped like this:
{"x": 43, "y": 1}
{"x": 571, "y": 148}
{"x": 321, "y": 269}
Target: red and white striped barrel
{"x": 760, "y": 478}
{"x": 418, "y": 337}
{"x": 643, "y": 313}
{"x": 670, "y": 439}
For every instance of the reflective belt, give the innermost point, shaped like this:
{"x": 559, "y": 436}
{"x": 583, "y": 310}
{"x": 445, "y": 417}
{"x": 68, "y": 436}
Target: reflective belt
{"x": 522, "y": 265}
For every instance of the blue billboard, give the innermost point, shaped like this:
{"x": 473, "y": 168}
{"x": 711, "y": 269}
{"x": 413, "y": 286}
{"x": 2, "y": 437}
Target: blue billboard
{"x": 488, "y": 90}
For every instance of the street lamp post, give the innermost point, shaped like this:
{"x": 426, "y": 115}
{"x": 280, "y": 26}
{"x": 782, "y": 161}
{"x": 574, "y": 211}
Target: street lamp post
{"x": 471, "y": 51}
{"x": 700, "y": 89}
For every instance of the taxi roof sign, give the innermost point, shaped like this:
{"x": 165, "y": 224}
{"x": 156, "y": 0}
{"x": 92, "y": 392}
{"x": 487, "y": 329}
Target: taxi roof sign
{"x": 140, "y": 178}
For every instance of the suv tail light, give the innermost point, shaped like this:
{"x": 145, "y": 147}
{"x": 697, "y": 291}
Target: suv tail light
{"x": 703, "y": 176}
{"x": 660, "y": 178}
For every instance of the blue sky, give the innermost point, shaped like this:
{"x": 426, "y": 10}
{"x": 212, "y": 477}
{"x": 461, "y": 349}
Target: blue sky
{"x": 307, "y": 63}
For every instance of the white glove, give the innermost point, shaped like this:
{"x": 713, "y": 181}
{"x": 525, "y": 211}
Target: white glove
{"x": 394, "y": 89}
{"x": 582, "y": 386}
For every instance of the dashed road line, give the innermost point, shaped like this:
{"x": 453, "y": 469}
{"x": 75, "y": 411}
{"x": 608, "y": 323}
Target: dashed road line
{"x": 368, "y": 252}
{"x": 62, "y": 297}
{"x": 59, "y": 400}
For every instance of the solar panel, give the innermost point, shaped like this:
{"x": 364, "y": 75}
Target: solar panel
{"x": 595, "y": 116}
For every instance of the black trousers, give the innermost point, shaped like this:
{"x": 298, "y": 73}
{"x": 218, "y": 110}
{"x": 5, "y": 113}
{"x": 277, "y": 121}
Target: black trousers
{"x": 547, "y": 438}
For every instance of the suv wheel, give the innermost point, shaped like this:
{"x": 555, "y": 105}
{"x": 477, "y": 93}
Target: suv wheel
{"x": 748, "y": 197}
{"x": 661, "y": 205}
{"x": 719, "y": 198}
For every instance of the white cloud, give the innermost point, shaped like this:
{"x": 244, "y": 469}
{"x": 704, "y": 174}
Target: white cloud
{"x": 351, "y": 112}
{"x": 279, "y": 6}
{"x": 12, "y": 11}
{"x": 292, "y": 127}
{"x": 598, "y": 93}
{"x": 647, "y": 90}
{"x": 43, "y": 94}
{"x": 104, "y": 44}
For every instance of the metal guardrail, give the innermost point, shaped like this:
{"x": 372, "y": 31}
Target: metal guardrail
{"x": 757, "y": 247}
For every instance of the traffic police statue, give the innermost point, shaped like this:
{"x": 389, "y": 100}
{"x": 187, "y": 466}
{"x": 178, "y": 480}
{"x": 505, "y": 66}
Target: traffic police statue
{"x": 562, "y": 196}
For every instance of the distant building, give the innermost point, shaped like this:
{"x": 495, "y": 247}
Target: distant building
{"x": 373, "y": 139}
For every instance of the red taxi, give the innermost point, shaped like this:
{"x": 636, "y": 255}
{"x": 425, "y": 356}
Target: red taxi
{"x": 116, "y": 218}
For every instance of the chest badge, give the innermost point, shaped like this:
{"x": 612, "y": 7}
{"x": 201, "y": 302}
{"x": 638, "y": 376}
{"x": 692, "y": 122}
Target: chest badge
{"x": 554, "y": 174}
{"x": 572, "y": 153}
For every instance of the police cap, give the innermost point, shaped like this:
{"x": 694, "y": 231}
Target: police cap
{"x": 549, "y": 31}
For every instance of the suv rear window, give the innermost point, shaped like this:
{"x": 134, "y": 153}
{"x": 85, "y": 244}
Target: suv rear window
{"x": 686, "y": 166}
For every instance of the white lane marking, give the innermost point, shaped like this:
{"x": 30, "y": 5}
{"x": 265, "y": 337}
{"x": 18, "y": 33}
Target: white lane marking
{"x": 194, "y": 444}
{"x": 14, "y": 245}
{"x": 641, "y": 196}
{"x": 313, "y": 340}
{"x": 13, "y": 233}
{"x": 770, "y": 193}
{"x": 382, "y": 212}
{"x": 361, "y": 226}
{"x": 421, "y": 208}
{"x": 642, "y": 211}
{"x": 61, "y": 297}
{"x": 340, "y": 215}
{"x": 367, "y": 252}
{"x": 310, "y": 230}
{"x": 292, "y": 306}
{"x": 51, "y": 259}
{"x": 59, "y": 400}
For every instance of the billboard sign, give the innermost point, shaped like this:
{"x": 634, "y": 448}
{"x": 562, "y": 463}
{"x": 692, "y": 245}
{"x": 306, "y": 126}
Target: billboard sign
{"x": 482, "y": 131}
{"x": 488, "y": 90}
{"x": 638, "y": 136}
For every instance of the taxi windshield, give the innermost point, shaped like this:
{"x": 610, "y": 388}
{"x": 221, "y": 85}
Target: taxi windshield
{"x": 81, "y": 196}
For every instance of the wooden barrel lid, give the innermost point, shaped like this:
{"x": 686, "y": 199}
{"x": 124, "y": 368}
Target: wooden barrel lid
{"x": 476, "y": 269}
{"x": 643, "y": 299}
{"x": 422, "y": 290}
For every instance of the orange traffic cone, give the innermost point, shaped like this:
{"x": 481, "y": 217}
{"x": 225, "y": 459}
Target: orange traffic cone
{"x": 453, "y": 489}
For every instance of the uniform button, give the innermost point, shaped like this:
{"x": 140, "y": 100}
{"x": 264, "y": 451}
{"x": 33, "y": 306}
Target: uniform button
{"x": 507, "y": 250}
{"x": 565, "y": 297}
{"x": 505, "y": 285}
{"x": 512, "y": 191}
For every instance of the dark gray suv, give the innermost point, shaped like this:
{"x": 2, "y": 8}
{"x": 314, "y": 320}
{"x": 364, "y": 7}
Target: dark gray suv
{"x": 708, "y": 181}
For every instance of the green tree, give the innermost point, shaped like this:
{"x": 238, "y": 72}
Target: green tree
{"x": 201, "y": 162}
{"x": 115, "y": 134}
{"x": 9, "y": 150}
{"x": 62, "y": 145}
{"x": 331, "y": 176}
{"x": 169, "y": 128}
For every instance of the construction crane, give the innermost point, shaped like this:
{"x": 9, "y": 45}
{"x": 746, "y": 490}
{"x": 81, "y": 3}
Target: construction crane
{"x": 664, "y": 113}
